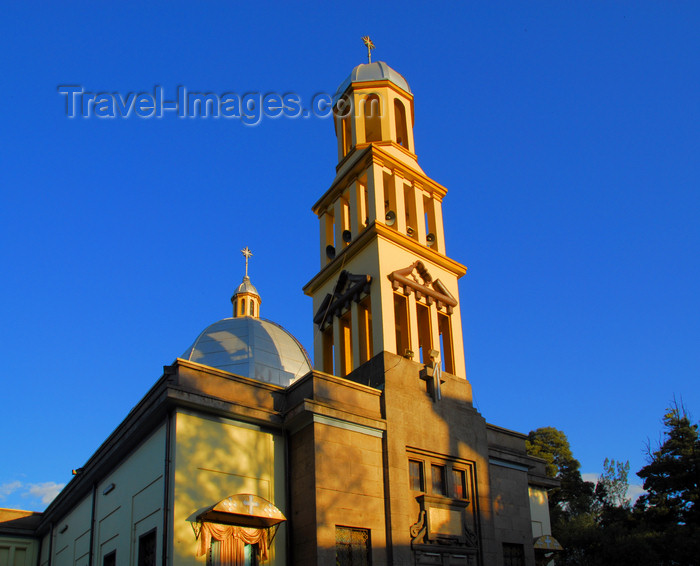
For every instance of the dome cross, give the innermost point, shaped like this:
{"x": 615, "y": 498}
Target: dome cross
{"x": 370, "y": 46}
{"x": 248, "y": 254}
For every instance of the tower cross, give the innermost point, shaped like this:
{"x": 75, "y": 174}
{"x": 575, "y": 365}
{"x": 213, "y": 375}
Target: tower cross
{"x": 248, "y": 254}
{"x": 370, "y": 46}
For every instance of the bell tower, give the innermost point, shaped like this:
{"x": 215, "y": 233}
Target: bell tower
{"x": 385, "y": 281}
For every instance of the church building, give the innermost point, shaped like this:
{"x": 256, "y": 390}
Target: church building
{"x": 244, "y": 452}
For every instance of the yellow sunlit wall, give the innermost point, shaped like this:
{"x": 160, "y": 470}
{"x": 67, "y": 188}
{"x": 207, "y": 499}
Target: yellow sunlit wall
{"x": 213, "y": 459}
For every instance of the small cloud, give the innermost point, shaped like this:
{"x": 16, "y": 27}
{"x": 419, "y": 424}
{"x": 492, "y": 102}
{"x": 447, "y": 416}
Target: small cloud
{"x": 634, "y": 492}
{"x": 590, "y": 477}
{"x": 46, "y": 491}
{"x": 9, "y": 488}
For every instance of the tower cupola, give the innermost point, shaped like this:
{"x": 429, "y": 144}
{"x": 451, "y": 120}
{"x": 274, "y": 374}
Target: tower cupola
{"x": 246, "y": 299}
{"x": 374, "y": 104}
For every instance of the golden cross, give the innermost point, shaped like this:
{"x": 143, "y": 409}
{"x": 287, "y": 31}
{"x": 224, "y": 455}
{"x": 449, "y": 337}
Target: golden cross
{"x": 248, "y": 254}
{"x": 370, "y": 46}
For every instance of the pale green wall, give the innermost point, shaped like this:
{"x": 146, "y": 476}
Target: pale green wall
{"x": 131, "y": 509}
{"x": 213, "y": 459}
{"x": 17, "y": 551}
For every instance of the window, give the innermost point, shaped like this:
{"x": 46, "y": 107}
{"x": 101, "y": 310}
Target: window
{"x": 328, "y": 349}
{"x": 147, "y": 549}
{"x": 252, "y": 308}
{"x": 364, "y": 311}
{"x": 352, "y": 547}
{"x": 235, "y": 309}
{"x": 415, "y": 474}
{"x": 400, "y": 121}
{"x": 459, "y": 484}
{"x": 373, "y": 118}
{"x": 513, "y": 554}
{"x": 403, "y": 340}
{"x": 110, "y": 559}
{"x": 438, "y": 476}
{"x": 409, "y": 201}
{"x": 425, "y": 342}
{"x": 347, "y": 136}
{"x": 445, "y": 330}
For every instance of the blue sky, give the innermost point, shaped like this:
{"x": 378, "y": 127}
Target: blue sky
{"x": 567, "y": 134}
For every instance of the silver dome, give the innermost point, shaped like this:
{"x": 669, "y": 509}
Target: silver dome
{"x": 246, "y": 287}
{"x": 251, "y": 347}
{"x": 376, "y": 71}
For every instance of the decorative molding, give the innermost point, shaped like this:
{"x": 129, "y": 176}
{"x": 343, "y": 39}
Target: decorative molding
{"x": 418, "y": 528}
{"x": 349, "y": 287}
{"x": 443, "y": 527}
{"x": 416, "y": 278}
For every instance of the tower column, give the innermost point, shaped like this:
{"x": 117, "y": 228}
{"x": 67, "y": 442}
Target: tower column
{"x": 375, "y": 190}
{"x": 413, "y": 327}
{"x": 337, "y": 347}
{"x": 435, "y": 331}
{"x": 319, "y": 350}
{"x": 338, "y": 216}
{"x": 439, "y": 230}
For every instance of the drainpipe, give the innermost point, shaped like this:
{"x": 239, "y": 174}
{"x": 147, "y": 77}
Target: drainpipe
{"x": 166, "y": 488}
{"x": 91, "y": 560}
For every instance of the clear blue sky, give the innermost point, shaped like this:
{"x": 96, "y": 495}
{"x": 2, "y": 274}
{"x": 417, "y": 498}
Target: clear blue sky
{"x": 567, "y": 134}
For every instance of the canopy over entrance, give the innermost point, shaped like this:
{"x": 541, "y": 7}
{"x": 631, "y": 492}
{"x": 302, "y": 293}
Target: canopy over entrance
{"x": 547, "y": 543}
{"x": 243, "y": 510}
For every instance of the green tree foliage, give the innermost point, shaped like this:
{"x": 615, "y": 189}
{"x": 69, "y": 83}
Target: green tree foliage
{"x": 669, "y": 513}
{"x": 574, "y": 497}
{"x": 599, "y": 527}
{"x": 672, "y": 476}
{"x": 612, "y": 486}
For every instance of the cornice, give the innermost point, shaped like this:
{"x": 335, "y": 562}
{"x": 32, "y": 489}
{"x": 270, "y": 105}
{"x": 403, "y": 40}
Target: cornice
{"x": 373, "y": 231}
{"x": 368, "y": 155}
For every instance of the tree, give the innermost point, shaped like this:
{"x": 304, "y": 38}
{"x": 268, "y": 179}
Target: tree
{"x": 574, "y": 497}
{"x": 672, "y": 476}
{"x": 612, "y": 486}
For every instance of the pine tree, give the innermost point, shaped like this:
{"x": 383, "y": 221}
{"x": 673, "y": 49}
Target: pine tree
{"x": 672, "y": 476}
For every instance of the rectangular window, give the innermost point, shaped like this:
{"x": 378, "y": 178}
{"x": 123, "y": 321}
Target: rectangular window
{"x": 415, "y": 473}
{"x": 409, "y": 200}
{"x": 346, "y": 345}
{"x": 513, "y": 554}
{"x": 425, "y": 333}
{"x": 459, "y": 484}
{"x": 352, "y": 547}
{"x": 445, "y": 329}
{"x": 328, "y": 349}
{"x": 403, "y": 340}
{"x": 147, "y": 549}
{"x": 438, "y": 476}
{"x": 110, "y": 559}
{"x": 365, "y": 314}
